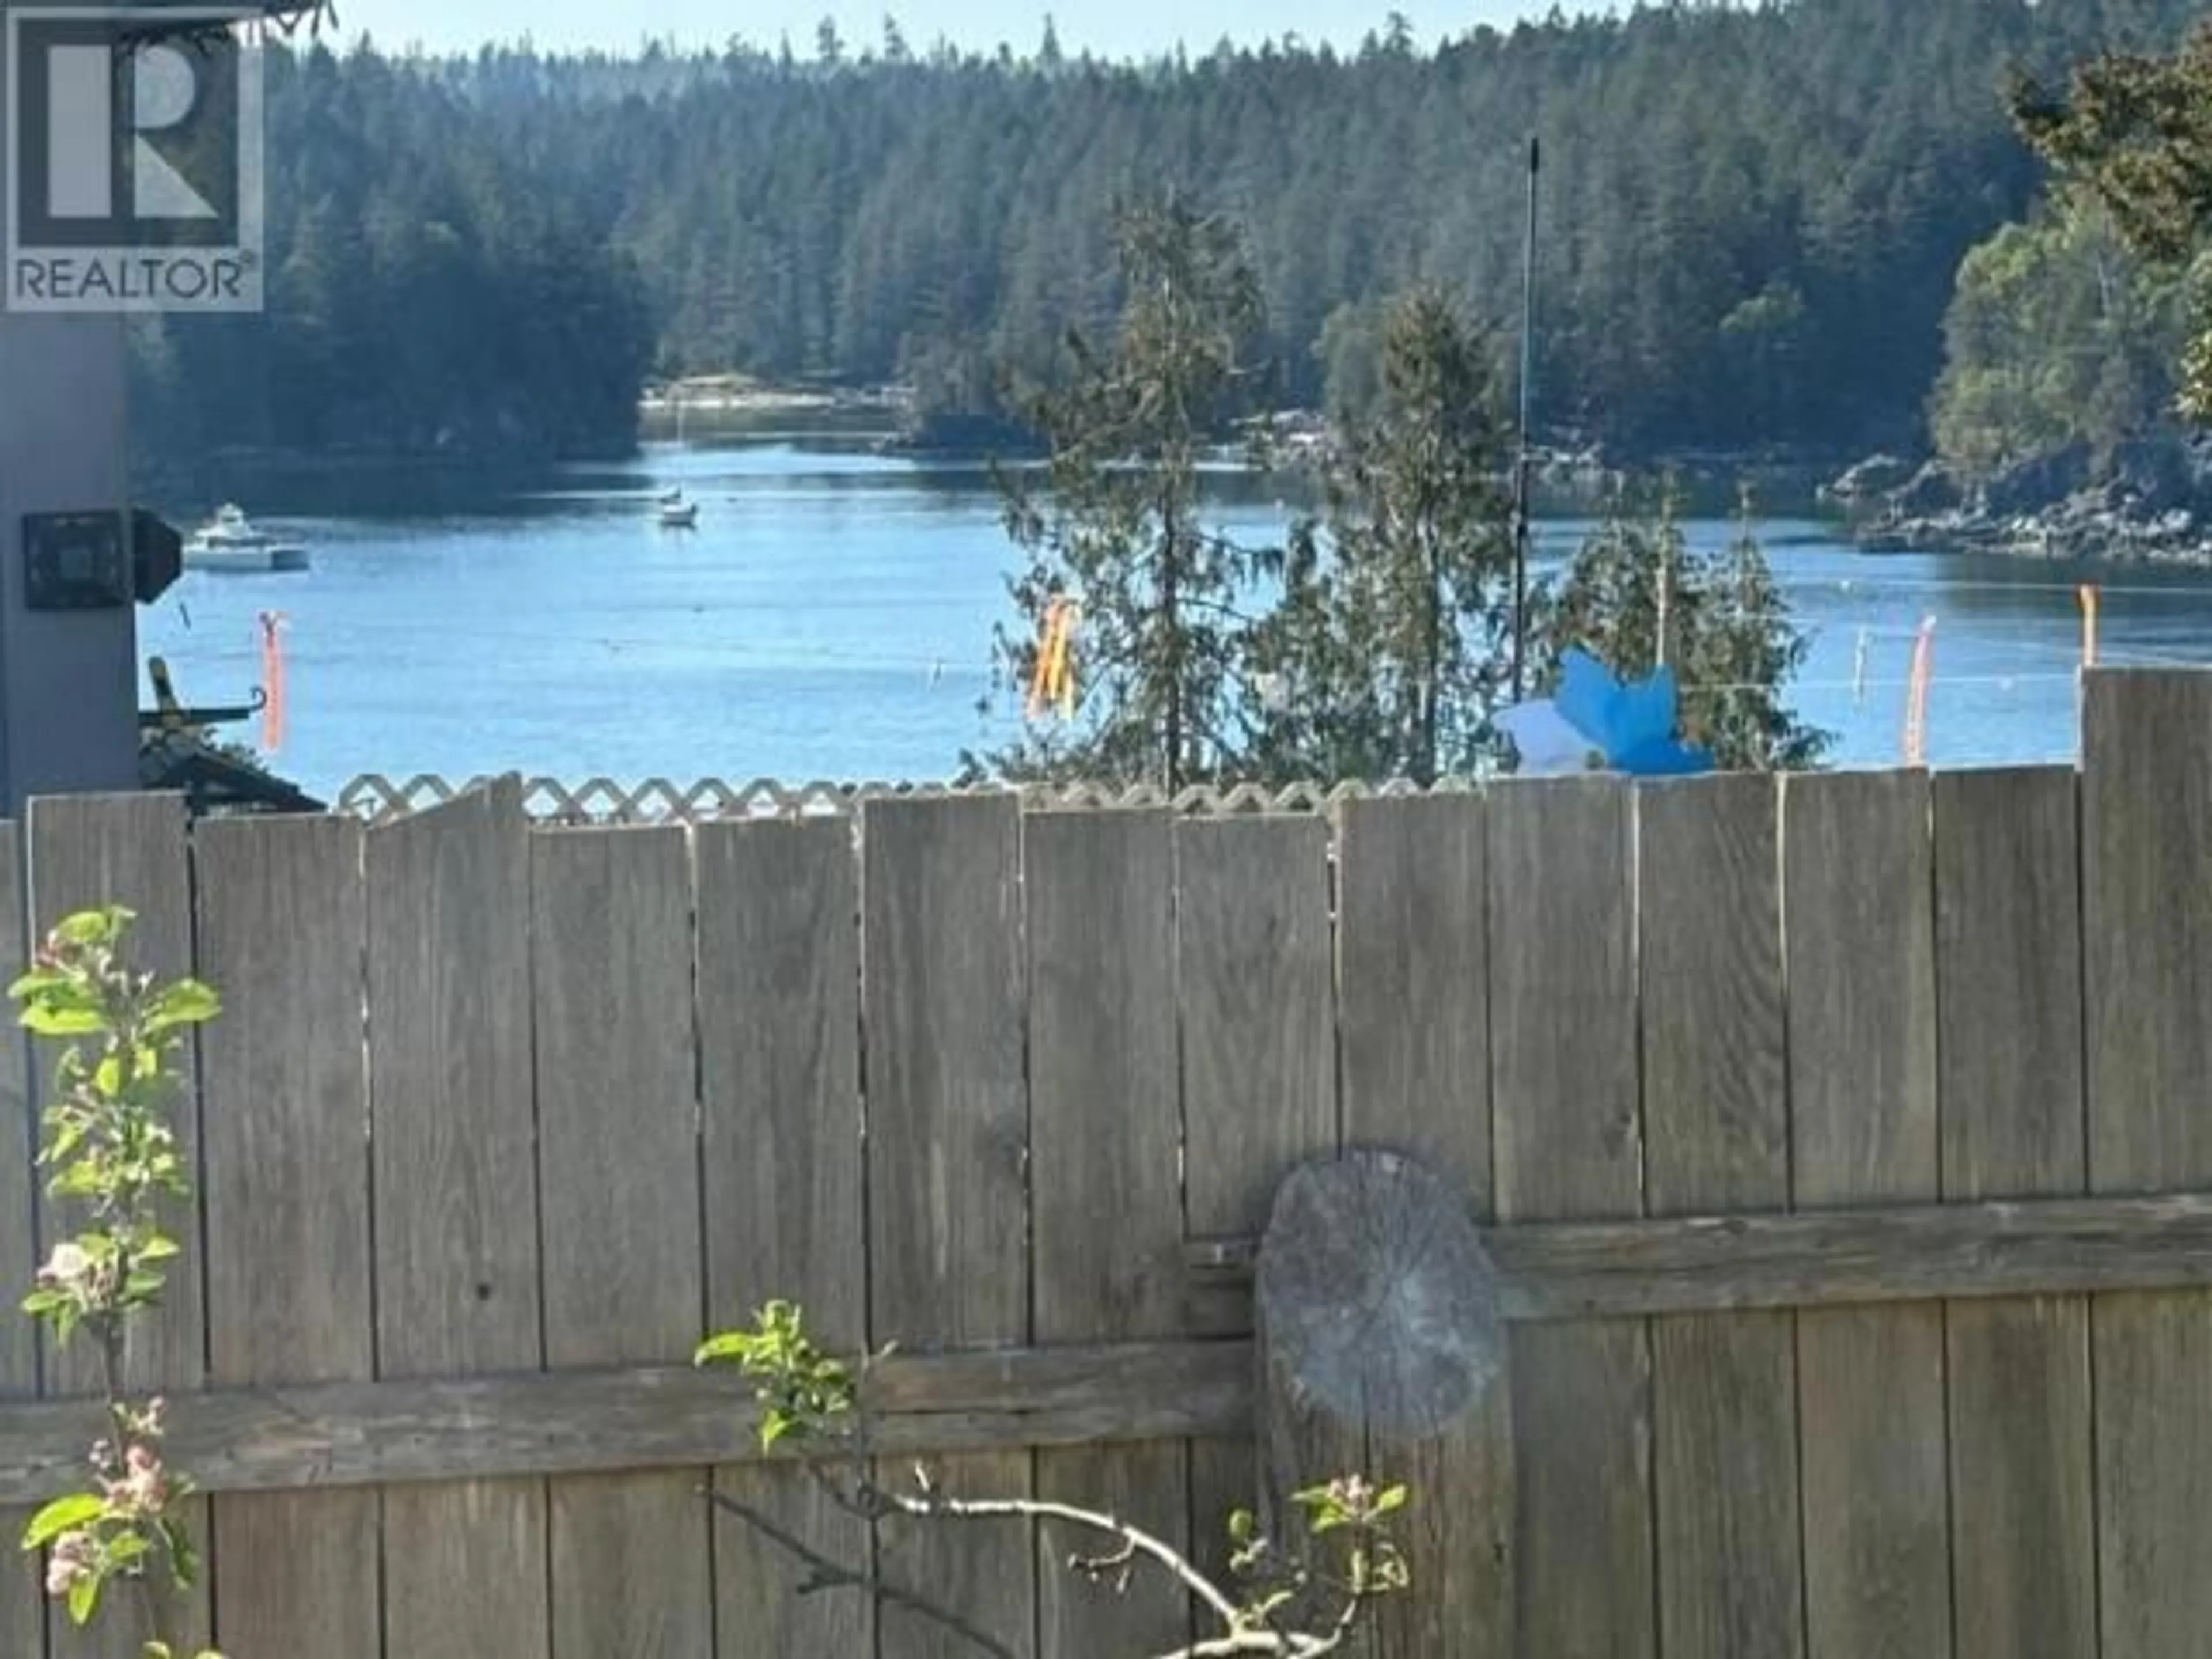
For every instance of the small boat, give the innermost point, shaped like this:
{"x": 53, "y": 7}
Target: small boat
{"x": 676, "y": 513}
{"x": 230, "y": 542}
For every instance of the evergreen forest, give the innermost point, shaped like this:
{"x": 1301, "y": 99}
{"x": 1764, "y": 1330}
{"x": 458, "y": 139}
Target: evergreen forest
{"x": 1753, "y": 220}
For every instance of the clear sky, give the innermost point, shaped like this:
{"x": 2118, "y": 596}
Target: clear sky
{"x": 1116, "y": 29}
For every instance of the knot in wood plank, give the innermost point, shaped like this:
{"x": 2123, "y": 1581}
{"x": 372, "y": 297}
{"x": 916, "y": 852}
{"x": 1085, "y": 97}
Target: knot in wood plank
{"x": 1379, "y": 1303}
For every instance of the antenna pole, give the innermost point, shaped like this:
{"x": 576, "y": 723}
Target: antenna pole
{"x": 1520, "y": 490}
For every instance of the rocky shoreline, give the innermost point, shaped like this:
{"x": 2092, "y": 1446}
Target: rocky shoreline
{"x": 2148, "y": 502}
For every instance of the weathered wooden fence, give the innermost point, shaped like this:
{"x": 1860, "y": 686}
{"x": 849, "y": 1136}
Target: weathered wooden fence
{"x": 1843, "y": 1147}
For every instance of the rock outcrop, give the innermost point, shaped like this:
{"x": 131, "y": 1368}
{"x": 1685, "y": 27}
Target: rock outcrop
{"x": 2149, "y": 501}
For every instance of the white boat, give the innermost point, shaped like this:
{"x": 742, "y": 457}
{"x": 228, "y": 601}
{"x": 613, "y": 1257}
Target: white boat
{"x": 229, "y": 542}
{"x": 676, "y": 513}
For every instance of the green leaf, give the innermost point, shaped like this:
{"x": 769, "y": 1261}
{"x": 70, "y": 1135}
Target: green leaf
{"x": 102, "y": 927}
{"x": 108, "y": 1077}
{"x": 63, "y": 1515}
{"x": 50, "y": 1020}
{"x": 83, "y": 1600}
{"x": 184, "y": 1560}
{"x": 187, "y": 1002}
{"x": 82, "y": 1180}
{"x": 1242, "y": 1526}
{"x": 38, "y": 981}
{"x": 1393, "y": 1572}
{"x": 159, "y": 1247}
{"x": 1390, "y": 1498}
{"x": 125, "y": 1549}
{"x": 728, "y": 1345}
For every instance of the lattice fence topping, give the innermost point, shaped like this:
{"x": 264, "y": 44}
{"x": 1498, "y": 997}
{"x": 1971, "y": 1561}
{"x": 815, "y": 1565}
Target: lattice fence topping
{"x": 379, "y": 799}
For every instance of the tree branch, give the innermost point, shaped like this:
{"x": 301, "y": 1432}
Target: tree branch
{"x": 1222, "y": 608}
{"x": 1293, "y": 1646}
{"x": 1244, "y": 1629}
{"x": 1131, "y": 1538}
{"x": 831, "y": 1574}
{"x": 828, "y": 1573}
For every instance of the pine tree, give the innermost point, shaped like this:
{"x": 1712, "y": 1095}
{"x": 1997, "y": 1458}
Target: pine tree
{"x": 1119, "y": 526}
{"x": 1741, "y": 664}
{"x": 1389, "y": 651}
{"x": 1636, "y": 596}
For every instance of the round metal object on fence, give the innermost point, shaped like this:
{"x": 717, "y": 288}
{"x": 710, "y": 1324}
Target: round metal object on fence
{"x": 1375, "y": 1296}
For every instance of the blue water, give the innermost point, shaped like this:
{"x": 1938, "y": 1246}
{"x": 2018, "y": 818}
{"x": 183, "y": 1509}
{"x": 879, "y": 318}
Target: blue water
{"x": 831, "y": 617}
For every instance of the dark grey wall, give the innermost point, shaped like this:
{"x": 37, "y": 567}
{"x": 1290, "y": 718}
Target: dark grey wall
{"x": 68, "y": 680}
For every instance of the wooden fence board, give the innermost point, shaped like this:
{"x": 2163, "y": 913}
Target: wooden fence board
{"x": 1413, "y": 1040}
{"x": 2009, "y": 992}
{"x": 456, "y": 1202}
{"x": 1716, "y": 1127}
{"x": 281, "y": 930}
{"x": 1553, "y": 1272}
{"x": 1414, "y": 995}
{"x": 2147, "y": 880}
{"x": 2008, "y": 983}
{"x": 619, "y": 1164}
{"x": 22, "y": 1607}
{"x": 1716, "y": 1023}
{"x": 88, "y": 850}
{"x": 948, "y": 1140}
{"x": 1564, "y": 1111}
{"x": 779, "y": 989}
{"x": 1255, "y": 983}
{"x": 605, "y": 1421}
{"x": 1861, "y": 965}
{"x": 1105, "y": 1146}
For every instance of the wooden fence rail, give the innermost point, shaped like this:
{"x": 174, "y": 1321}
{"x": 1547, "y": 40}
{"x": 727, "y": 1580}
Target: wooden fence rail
{"x": 1839, "y": 1143}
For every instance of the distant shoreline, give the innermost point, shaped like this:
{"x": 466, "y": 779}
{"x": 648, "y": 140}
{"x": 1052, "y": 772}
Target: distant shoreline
{"x": 732, "y": 407}
{"x": 740, "y": 404}
{"x": 738, "y": 394}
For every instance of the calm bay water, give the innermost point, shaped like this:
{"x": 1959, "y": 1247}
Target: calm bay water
{"x": 831, "y": 617}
